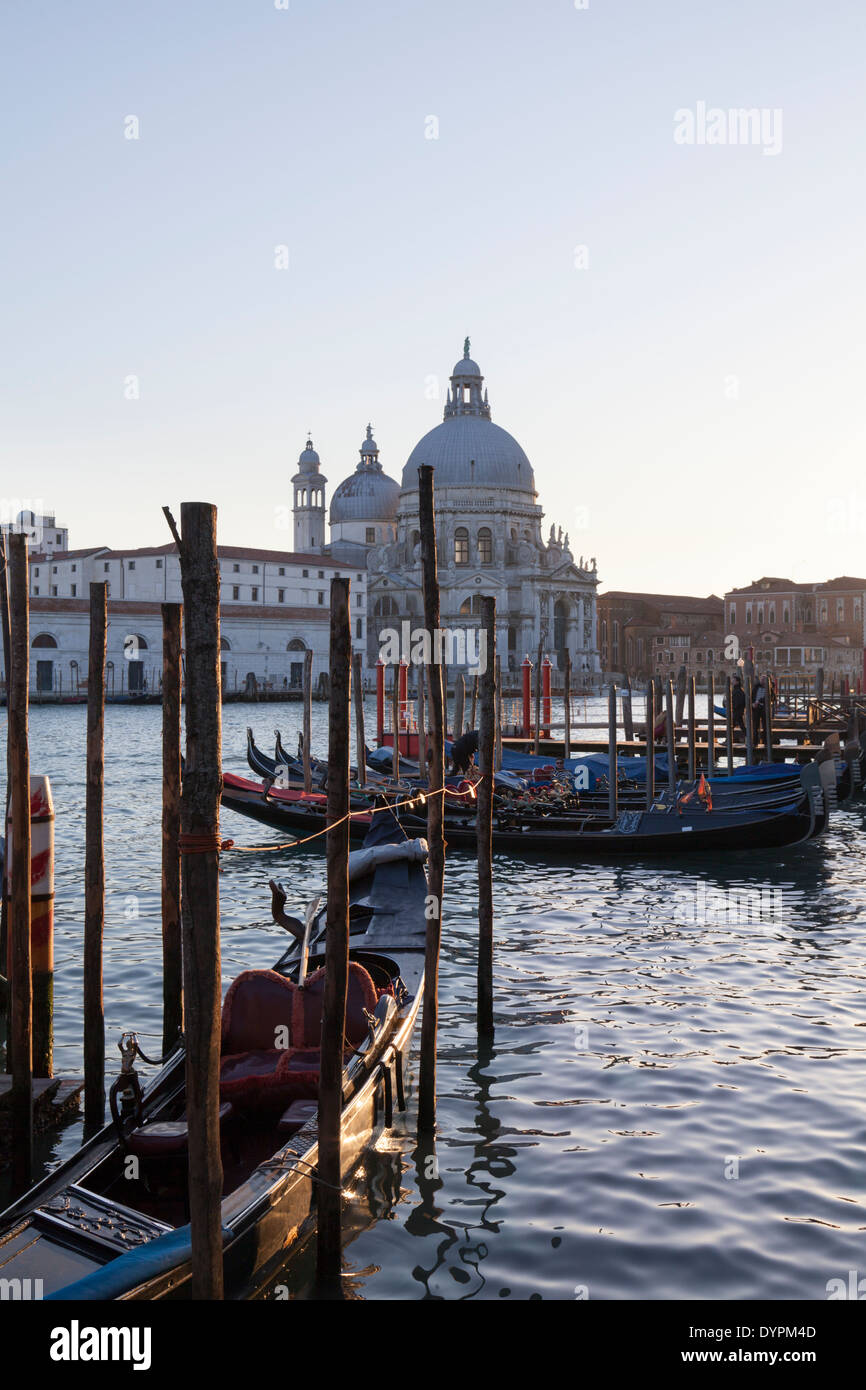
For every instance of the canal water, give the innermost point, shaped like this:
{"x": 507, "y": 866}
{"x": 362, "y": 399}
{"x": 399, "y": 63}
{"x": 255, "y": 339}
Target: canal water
{"x": 674, "y": 1103}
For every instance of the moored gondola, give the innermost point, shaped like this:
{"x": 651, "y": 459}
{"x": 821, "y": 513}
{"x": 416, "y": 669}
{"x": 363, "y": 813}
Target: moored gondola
{"x": 101, "y": 1227}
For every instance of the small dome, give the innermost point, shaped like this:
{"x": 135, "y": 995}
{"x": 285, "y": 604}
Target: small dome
{"x": 368, "y": 494}
{"x": 466, "y": 367}
{"x": 309, "y": 460}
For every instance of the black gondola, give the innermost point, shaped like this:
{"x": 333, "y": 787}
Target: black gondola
{"x": 88, "y": 1231}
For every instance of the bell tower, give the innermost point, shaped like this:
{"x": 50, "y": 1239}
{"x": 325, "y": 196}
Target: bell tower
{"x": 309, "y": 502}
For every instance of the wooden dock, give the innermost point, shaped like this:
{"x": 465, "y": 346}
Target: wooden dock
{"x": 55, "y": 1102}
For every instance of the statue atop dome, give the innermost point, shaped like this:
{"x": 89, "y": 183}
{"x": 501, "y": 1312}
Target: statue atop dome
{"x": 465, "y": 347}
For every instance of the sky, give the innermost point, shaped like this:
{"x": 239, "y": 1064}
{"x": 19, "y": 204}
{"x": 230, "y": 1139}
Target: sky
{"x": 322, "y": 200}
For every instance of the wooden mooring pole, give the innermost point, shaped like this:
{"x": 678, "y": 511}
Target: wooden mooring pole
{"x": 497, "y": 755}
{"x": 768, "y": 717}
{"x": 395, "y": 723}
{"x": 422, "y": 722}
{"x": 681, "y": 697}
{"x": 691, "y": 708}
{"x": 308, "y": 719}
{"x": 358, "y": 694}
{"x": 172, "y": 953}
{"x": 200, "y": 841}
{"x": 435, "y": 836}
{"x": 537, "y": 744}
{"x": 6, "y": 634}
{"x": 459, "y": 705}
{"x": 671, "y": 738}
{"x": 729, "y": 725}
{"x": 329, "y": 1188}
{"x": 566, "y": 700}
{"x": 611, "y": 753}
{"x": 473, "y": 716}
{"x": 627, "y": 721}
{"x": 484, "y": 821}
{"x": 20, "y": 972}
{"x": 711, "y": 723}
{"x": 94, "y": 866}
{"x": 750, "y": 724}
{"x": 650, "y": 744}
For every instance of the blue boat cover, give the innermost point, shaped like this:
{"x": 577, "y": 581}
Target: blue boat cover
{"x": 133, "y": 1268}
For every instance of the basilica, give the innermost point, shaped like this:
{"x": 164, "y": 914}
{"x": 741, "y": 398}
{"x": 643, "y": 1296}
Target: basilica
{"x": 490, "y": 538}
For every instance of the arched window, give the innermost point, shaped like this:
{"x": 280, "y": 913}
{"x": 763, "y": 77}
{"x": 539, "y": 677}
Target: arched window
{"x": 385, "y": 607}
{"x": 560, "y": 625}
{"x": 296, "y": 645}
{"x": 44, "y": 639}
{"x": 461, "y": 546}
{"x": 485, "y": 546}
{"x": 225, "y": 645}
{"x": 471, "y": 607}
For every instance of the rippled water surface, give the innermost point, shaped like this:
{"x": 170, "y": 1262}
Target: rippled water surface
{"x": 670, "y": 1108}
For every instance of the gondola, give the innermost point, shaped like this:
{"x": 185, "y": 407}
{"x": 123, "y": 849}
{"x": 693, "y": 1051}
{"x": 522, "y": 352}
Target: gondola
{"x": 666, "y": 829}
{"x": 89, "y": 1232}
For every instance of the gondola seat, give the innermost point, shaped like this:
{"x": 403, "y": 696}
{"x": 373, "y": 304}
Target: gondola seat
{"x": 296, "y": 1116}
{"x": 166, "y": 1138}
{"x": 362, "y": 997}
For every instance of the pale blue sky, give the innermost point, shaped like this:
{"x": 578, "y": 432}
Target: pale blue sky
{"x": 260, "y": 127}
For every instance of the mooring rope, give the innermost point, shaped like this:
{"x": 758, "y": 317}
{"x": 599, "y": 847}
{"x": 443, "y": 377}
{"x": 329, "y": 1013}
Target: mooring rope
{"x": 422, "y": 797}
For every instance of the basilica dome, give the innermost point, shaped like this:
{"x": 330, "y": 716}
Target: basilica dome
{"x": 368, "y": 494}
{"x": 467, "y": 449}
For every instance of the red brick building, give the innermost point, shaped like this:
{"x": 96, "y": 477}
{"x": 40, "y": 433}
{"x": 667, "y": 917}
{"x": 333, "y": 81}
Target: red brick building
{"x": 654, "y": 634}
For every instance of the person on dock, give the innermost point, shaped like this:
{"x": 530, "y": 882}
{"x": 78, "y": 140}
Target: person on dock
{"x": 759, "y": 710}
{"x": 738, "y": 705}
{"x": 463, "y": 751}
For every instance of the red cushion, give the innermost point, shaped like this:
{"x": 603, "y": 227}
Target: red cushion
{"x": 258, "y": 1003}
{"x": 361, "y": 994}
{"x": 165, "y": 1137}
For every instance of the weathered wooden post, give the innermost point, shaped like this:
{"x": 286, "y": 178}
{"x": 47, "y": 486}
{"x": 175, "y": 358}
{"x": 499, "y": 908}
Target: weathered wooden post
{"x": 360, "y": 744}
{"x": 484, "y": 822}
{"x": 200, "y": 844}
{"x": 692, "y": 757}
{"x": 422, "y": 722}
{"x": 94, "y": 866}
{"x": 459, "y": 704}
{"x": 711, "y": 723}
{"x": 172, "y": 952}
{"x": 497, "y": 753}
{"x": 329, "y": 1188}
{"x": 566, "y": 700}
{"x": 20, "y": 976}
{"x": 729, "y": 725}
{"x": 768, "y": 717}
{"x": 750, "y": 727}
{"x": 395, "y": 723}
{"x": 5, "y": 632}
{"x": 547, "y": 667}
{"x": 819, "y": 684}
{"x": 473, "y": 715}
{"x": 538, "y": 678}
{"x": 650, "y": 744}
{"x": 628, "y": 722}
{"x": 612, "y": 772}
{"x": 308, "y": 719}
{"x": 671, "y": 738}
{"x": 526, "y": 671}
{"x": 380, "y": 702}
{"x": 435, "y": 836}
{"x": 681, "y": 697}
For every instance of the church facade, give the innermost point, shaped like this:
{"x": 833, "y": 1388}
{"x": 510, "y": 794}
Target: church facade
{"x": 490, "y": 539}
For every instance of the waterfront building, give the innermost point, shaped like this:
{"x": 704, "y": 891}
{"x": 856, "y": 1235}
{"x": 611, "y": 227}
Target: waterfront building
{"x": 654, "y": 634}
{"x": 797, "y": 628}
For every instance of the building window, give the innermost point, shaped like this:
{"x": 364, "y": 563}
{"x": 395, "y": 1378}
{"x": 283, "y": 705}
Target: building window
{"x": 370, "y": 533}
{"x": 58, "y": 540}
{"x": 733, "y": 614}
{"x": 132, "y": 564}
{"x": 485, "y": 546}
{"x": 840, "y": 608}
{"x": 786, "y": 614}
{"x": 236, "y": 593}
{"x": 74, "y": 568}
{"x": 53, "y": 569}
{"x": 772, "y": 612}
{"x": 36, "y": 588}
{"x": 321, "y": 574}
{"x": 710, "y": 656}
{"x": 254, "y": 594}
{"x": 748, "y": 615}
{"x": 461, "y": 546}
{"x": 53, "y": 590}
{"x": 255, "y": 569}
{"x": 281, "y": 570}
{"x": 74, "y": 588}
{"x": 359, "y": 628}
{"x": 321, "y": 599}
{"x": 857, "y": 610}
{"x": 106, "y": 567}
{"x": 281, "y": 595}
{"x": 471, "y": 606}
{"x": 760, "y": 614}
{"x": 305, "y": 573}
{"x": 159, "y": 564}
{"x": 385, "y": 607}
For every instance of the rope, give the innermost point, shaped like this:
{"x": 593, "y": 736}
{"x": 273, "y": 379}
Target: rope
{"x": 373, "y": 811}
{"x": 202, "y": 842}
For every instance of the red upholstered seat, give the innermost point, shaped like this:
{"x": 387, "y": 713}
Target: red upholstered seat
{"x": 257, "y": 1012}
{"x": 164, "y": 1138}
{"x": 361, "y": 994}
